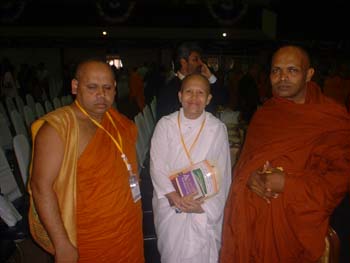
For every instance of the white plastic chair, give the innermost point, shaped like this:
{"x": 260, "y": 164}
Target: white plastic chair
{"x": 149, "y": 121}
{"x": 8, "y": 184}
{"x": 56, "y": 103}
{"x": 69, "y": 99}
{"x": 5, "y": 134}
{"x": 4, "y": 114}
{"x": 18, "y": 123}
{"x": 64, "y": 100}
{"x": 19, "y": 104}
{"x": 30, "y": 101}
{"x": 10, "y": 105}
{"x": 39, "y": 110}
{"x": 29, "y": 116}
{"x": 48, "y": 106}
{"x": 141, "y": 142}
{"x": 154, "y": 108}
{"x": 22, "y": 151}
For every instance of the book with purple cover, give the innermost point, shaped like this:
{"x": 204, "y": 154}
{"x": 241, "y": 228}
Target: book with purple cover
{"x": 198, "y": 179}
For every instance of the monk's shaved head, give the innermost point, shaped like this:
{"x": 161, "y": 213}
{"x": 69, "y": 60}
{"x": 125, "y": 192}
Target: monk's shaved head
{"x": 197, "y": 76}
{"x": 83, "y": 66}
{"x": 294, "y": 49}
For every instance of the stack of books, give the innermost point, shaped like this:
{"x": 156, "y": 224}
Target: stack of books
{"x": 198, "y": 179}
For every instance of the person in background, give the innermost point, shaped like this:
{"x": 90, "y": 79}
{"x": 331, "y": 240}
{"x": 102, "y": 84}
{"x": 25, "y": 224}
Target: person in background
{"x": 84, "y": 203}
{"x": 136, "y": 89}
{"x": 248, "y": 92}
{"x": 292, "y": 172}
{"x": 187, "y": 61}
{"x": 184, "y": 137}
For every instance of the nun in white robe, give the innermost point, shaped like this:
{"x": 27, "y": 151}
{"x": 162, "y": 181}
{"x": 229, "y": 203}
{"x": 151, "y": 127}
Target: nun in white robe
{"x": 189, "y": 237}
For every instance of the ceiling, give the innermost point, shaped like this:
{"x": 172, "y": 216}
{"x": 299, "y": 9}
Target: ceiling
{"x": 164, "y": 22}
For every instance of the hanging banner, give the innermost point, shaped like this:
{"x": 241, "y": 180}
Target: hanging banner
{"x": 114, "y": 11}
{"x": 11, "y": 10}
{"x": 227, "y": 12}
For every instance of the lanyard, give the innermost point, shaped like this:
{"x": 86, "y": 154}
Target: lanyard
{"x": 118, "y": 144}
{"x": 194, "y": 141}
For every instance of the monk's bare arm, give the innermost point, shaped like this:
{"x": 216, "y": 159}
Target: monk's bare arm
{"x": 48, "y": 156}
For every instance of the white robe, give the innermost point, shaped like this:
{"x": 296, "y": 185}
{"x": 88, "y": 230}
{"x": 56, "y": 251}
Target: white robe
{"x": 188, "y": 237}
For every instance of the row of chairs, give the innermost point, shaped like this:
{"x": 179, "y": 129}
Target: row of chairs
{"x": 19, "y": 116}
{"x": 14, "y": 167}
{"x": 145, "y": 122}
{"x": 10, "y": 187}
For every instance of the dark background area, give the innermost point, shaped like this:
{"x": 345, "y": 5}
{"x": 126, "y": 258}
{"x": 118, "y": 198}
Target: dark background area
{"x": 159, "y": 23}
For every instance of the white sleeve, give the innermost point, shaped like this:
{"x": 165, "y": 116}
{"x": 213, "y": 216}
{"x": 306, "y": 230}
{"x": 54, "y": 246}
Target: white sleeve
{"x": 214, "y": 206}
{"x": 212, "y": 79}
{"x": 158, "y": 160}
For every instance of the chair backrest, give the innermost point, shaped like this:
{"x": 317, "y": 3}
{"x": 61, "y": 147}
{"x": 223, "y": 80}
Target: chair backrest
{"x": 29, "y": 116}
{"x": 141, "y": 142}
{"x": 39, "y": 109}
{"x": 22, "y": 150}
{"x": 4, "y": 114}
{"x": 19, "y": 104}
{"x": 149, "y": 121}
{"x": 48, "y": 106}
{"x": 5, "y": 134}
{"x": 69, "y": 99}
{"x": 64, "y": 101}
{"x": 30, "y": 101}
{"x": 10, "y": 105}
{"x": 154, "y": 108}
{"x": 18, "y": 123}
{"x": 8, "y": 184}
{"x": 56, "y": 103}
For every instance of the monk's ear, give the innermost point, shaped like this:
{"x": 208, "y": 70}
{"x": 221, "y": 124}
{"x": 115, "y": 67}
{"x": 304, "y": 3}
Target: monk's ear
{"x": 74, "y": 86}
{"x": 179, "y": 94}
{"x": 309, "y": 74}
{"x": 209, "y": 99}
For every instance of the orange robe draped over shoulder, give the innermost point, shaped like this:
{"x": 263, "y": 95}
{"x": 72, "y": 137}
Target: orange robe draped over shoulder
{"x": 311, "y": 142}
{"x": 109, "y": 223}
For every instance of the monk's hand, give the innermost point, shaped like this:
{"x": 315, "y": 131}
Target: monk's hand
{"x": 256, "y": 183}
{"x": 66, "y": 252}
{"x": 275, "y": 180}
{"x": 191, "y": 205}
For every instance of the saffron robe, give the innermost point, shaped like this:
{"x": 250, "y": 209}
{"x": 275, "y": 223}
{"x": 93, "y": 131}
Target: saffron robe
{"x": 109, "y": 223}
{"x": 311, "y": 142}
{"x": 106, "y": 223}
{"x": 188, "y": 237}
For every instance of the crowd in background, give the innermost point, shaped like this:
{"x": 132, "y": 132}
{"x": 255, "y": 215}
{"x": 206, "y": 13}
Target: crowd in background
{"x": 243, "y": 85}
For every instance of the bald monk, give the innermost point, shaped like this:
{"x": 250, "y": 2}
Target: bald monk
{"x": 83, "y": 207}
{"x": 292, "y": 173}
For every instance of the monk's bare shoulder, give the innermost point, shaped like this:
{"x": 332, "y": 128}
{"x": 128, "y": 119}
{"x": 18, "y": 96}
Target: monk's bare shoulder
{"x": 48, "y": 154}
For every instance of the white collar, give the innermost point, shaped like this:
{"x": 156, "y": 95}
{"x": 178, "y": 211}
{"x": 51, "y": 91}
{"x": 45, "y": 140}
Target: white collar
{"x": 191, "y": 122}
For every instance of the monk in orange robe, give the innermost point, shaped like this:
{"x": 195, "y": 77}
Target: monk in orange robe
{"x": 82, "y": 207}
{"x": 136, "y": 89}
{"x": 293, "y": 170}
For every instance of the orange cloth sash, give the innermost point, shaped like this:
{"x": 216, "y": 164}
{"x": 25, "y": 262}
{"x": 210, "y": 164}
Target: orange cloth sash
{"x": 311, "y": 142}
{"x": 109, "y": 223}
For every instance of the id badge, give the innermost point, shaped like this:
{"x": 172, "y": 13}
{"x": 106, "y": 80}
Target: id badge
{"x": 134, "y": 187}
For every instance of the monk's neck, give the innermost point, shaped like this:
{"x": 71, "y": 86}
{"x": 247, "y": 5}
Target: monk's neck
{"x": 83, "y": 116}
